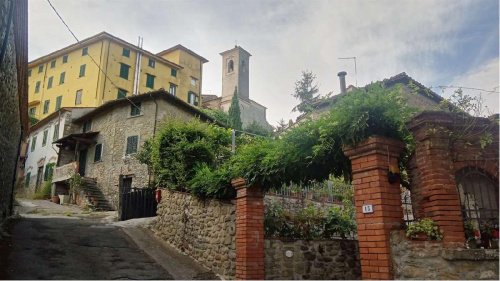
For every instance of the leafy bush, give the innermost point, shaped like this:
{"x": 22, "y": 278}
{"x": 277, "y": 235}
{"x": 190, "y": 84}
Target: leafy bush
{"x": 218, "y": 115}
{"x": 45, "y": 191}
{"x": 308, "y": 223}
{"x": 427, "y": 226}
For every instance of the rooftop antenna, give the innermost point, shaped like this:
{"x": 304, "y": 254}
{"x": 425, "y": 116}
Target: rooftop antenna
{"x": 355, "y": 68}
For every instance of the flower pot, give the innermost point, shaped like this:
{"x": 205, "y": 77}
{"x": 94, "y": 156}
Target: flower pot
{"x": 55, "y": 199}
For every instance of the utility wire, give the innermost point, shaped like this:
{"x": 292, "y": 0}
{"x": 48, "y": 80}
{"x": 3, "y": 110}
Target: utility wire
{"x": 93, "y": 60}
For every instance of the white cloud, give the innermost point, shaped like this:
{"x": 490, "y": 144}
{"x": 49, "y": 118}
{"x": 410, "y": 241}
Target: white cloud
{"x": 284, "y": 37}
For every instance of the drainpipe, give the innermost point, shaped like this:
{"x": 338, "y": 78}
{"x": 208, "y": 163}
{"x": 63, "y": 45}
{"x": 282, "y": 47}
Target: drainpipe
{"x": 137, "y": 67}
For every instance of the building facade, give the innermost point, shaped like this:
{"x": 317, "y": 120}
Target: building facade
{"x": 104, "y": 68}
{"x": 235, "y": 76}
{"x": 106, "y": 139}
{"x": 41, "y": 153}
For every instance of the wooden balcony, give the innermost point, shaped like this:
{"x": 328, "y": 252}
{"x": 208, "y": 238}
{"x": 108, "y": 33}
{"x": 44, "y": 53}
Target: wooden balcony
{"x": 64, "y": 172}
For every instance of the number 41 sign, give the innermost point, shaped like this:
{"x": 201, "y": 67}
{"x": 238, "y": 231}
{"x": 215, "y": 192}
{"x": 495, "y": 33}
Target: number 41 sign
{"x": 367, "y": 209}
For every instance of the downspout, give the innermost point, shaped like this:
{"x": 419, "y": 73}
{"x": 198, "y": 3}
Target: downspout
{"x": 137, "y": 68}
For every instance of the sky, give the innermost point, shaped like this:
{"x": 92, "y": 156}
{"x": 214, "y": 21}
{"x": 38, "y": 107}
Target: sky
{"x": 436, "y": 42}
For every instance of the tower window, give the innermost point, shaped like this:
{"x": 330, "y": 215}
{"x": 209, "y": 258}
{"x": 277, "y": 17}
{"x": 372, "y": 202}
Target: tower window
{"x": 230, "y": 66}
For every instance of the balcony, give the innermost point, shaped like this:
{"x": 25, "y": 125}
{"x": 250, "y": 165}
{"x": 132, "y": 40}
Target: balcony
{"x": 64, "y": 172}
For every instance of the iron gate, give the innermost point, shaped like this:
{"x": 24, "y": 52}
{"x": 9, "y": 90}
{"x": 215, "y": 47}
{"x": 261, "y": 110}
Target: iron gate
{"x": 135, "y": 202}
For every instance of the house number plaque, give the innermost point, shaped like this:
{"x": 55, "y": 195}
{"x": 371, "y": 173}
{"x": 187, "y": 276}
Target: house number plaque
{"x": 367, "y": 209}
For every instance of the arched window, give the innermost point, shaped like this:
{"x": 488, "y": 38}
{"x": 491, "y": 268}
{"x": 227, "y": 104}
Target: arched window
{"x": 479, "y": 199}
{"x": 230, "y": 66}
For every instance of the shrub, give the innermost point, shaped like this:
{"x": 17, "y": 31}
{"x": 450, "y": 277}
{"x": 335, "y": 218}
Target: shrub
{"x": 427, "y": 226}
{"x": 45, "y": 191}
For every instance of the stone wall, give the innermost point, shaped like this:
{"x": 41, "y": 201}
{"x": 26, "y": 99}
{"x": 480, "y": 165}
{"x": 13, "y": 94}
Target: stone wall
{"x": 430, "y": 260}
{"x": 295, "y": 204}
{"x": 320, "y": 260}
{"x": 204, "y": 230}
{"x": 10, "y": 95}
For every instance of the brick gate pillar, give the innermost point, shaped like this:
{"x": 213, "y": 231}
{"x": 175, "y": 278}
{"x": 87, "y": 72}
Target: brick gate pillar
{"x": 370, "y": 165}
{"x": 434, "y": 189}
{"x": 249, "y": 231}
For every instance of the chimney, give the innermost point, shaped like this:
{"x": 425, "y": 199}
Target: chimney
{"x": 341, "y": 76}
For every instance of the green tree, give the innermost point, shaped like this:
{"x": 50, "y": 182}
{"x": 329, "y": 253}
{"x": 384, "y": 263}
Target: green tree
{"x": 234, "y": 112}
{"x": 256, "y": 128}
{"x": 218, "y": 115}
{"x": 305, "y": 91}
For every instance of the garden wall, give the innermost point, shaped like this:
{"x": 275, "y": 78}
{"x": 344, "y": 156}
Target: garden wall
{"x": 294, "y": 204}
{"x": 430, "y": 260}
{"x": 323, "y": 259}
{"x": 203, "y": 229}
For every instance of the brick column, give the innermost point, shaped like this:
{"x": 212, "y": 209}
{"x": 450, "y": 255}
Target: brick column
{"x": 249, "y": 231}
{"x": 370, "y": 165}
{"x": 434, "y": 189}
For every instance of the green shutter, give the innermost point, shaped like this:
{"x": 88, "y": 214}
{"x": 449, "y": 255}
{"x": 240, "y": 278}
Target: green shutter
{"x": 33, "y": 144}
{"x": 53, "y": 64}
{"x": 124, "y": 70}
{"x": 135, "y": 109}
{"x": 62, "y": 77}
{"x": 82, "y": 70}
{"x": 173, "y": 72}
{"x": 49, "y": 84}
{"x": 56, "y": 132}
{"x": 27, "y": 180}
{"x": 37, "y": 87}
{"x": 65, "y": 58}
{"x": 44, "y": 140}
{"x": 46, "y": 105}
{"x": 150, "y": 81}
{"x": 58, "y": 102}
{"x": 121, "y": 94}
{"x": 98, "y": 152}
{"x": 132, "y": 144}
{"x": 126, "y": 52}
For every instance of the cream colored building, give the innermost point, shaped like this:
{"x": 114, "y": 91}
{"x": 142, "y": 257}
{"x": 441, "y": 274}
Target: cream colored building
{"x": 103, "y": 68}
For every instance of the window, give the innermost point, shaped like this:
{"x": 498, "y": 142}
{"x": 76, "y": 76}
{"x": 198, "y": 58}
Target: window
{"x": 150, "y": 81}
{"x": 230, "y": 66}
{"x": 126, "y": 52}
{"x": 173, "y": 89}
{"x": 192, "y": 98}
{"x": 121, "y": 94}
{"x": 173, "y": 72}
{"x": 194, "y": 81}
{"x": 124, "y": 70}
{"x": 46, "y": 105}
{"x": 33, "y": 143}
{"x": 78, "y": 98}
{"x": 49, "y": 171}
{"x": 29, "y": 72}
{"x": 132, "y": 144}
{"x": 135, "y": 110}
{"x": 56, "y": 132}
{"x": 37, "y": 87}
{"x": 49, "y": 83}
{"x": 87, "y": 126}
{"x": 27, "y": 180}
{"x": 58, "y": 102}
{"x": 85, "y": 51}
{"x": 53, "y": 64}
{"x": 98, "y": 152}
{"x": 44, "y": 139}
{"x": 151, "y": 63}
{"x": 62, "y": 77}
{"x": 32, "y": 111}
{"x": 82, "y": 70}
{"x": 65, "y": 58}
{"x": 40, "y": 69}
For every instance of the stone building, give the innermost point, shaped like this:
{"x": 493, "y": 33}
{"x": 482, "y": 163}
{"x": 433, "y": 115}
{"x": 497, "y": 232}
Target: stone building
{"x": 235, "y": 75}
{"x": 41, "y": 153}
{"x": 103, "y": 146}
{"x": 13, "y": 94}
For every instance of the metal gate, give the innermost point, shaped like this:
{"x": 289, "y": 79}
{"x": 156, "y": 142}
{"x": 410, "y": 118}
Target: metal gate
{"x": 135, "y": 202}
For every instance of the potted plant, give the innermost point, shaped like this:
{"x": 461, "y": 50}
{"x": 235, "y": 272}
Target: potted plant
{"x": 424, "y": 229}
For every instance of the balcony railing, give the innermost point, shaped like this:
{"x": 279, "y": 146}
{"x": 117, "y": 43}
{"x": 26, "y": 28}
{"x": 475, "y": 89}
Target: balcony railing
{"x": 64, "y": 172}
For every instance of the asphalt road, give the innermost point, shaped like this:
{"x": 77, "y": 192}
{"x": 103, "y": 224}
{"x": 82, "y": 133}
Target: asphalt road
{"x": 54, "y": 247}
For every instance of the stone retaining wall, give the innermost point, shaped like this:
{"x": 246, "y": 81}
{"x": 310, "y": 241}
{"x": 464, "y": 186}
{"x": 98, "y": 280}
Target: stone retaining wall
{"x": 204, "y": 230}
{"x": 300, "y": 259}
{"x": 430, "y": 260}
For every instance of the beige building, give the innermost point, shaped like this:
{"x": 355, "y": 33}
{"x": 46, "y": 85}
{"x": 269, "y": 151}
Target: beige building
{"x": 235, "y": 75}
{"x": 103, "y": 147}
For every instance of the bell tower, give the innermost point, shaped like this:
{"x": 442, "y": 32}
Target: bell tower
{"x": 235, "y": 73}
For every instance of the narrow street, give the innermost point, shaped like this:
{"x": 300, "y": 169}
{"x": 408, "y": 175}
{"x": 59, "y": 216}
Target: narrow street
{"x": 50, "y": 241}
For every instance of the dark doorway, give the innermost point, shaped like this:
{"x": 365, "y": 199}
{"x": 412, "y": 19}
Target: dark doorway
{"x": 39, "y": 177}
{"x": 82, "y": 162}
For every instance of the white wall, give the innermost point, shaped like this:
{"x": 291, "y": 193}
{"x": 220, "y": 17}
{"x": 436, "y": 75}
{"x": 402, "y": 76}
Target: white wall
{"x": 47, "y": 153}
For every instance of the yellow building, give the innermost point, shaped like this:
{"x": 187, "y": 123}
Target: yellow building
{"x": 103, "y": 68}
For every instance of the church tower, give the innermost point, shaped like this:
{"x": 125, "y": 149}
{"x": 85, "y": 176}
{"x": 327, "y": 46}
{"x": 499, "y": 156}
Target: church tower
{"x": 235, "y": 73}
